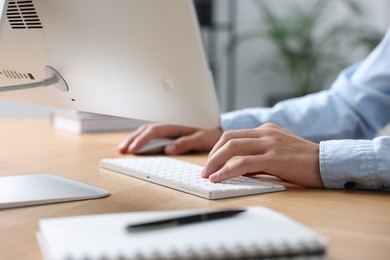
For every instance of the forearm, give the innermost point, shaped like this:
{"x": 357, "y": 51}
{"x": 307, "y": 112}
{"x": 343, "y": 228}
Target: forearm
{"x": 307, "y": 117}
{"x": 362, "y": 164}
{"x": 316, "y": 117}
{"x": 346, "y": 111}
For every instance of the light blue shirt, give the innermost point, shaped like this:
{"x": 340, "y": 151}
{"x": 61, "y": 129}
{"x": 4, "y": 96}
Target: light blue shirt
{"x": 344, "y": 120}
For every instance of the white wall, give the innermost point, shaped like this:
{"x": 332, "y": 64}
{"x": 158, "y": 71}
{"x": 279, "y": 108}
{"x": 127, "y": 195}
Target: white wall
{"x": 252, "y": 89}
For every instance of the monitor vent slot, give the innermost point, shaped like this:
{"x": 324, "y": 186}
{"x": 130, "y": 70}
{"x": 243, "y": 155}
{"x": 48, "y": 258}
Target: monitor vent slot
{"x": 21, "y": 14}
{"x": 13, "y": 74}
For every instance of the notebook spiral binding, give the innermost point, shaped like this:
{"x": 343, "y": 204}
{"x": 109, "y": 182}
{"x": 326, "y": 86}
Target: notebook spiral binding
{"x": 252, "y": 251}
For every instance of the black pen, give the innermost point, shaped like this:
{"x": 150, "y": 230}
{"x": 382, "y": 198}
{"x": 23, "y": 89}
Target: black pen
{"x": 178, "y": 221}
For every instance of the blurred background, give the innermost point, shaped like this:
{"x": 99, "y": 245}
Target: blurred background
{"x": 264, "y": 51}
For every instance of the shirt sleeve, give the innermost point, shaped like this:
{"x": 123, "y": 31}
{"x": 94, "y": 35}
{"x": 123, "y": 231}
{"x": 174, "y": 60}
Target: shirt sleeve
{"x": 361, "y": 164}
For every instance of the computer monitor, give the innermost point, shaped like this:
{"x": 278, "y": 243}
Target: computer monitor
{"x": 140, "y": 59}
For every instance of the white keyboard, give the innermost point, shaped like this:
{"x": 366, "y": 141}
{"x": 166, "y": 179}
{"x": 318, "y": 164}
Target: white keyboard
{"x": 186, "y": 177}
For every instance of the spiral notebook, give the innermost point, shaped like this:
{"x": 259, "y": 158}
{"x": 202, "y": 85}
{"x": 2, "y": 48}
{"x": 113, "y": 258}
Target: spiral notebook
{"x": 258, "y": 232}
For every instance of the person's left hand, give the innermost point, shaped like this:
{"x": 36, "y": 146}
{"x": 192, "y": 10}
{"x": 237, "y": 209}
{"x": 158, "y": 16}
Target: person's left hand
{"x": 267, "y": 149}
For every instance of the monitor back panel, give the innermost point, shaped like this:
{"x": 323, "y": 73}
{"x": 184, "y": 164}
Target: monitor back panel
{"x": 141, "y": 59}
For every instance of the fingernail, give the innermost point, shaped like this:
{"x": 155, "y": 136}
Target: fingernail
{"x": 170, "y": 149}
{"x": 132, "y": 147}
{"x": 209, "y": 170}
{"x": 214, "y": 177}
{"x": 122, "y": 148}
{"x": 203, "y": 173}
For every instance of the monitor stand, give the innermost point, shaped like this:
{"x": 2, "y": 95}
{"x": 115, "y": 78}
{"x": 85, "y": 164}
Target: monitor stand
{"x": 36, "y": 189}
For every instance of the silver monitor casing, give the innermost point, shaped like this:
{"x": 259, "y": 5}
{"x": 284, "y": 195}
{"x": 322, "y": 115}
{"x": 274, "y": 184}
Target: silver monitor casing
{"x": 141, "y": 59}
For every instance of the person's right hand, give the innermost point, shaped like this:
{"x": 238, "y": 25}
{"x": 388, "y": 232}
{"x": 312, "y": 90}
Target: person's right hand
{"x": 186, "y": 138}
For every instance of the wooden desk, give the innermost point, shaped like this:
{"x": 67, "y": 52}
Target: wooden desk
{"x": 357, "y": 223}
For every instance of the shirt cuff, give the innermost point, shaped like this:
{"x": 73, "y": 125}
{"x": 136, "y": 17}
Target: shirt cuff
{"x": 348, "y": 164}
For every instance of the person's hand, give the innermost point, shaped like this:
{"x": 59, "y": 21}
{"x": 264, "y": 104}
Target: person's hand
{"x": 267, "y": 149}
{"x": 186, "y": 138}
